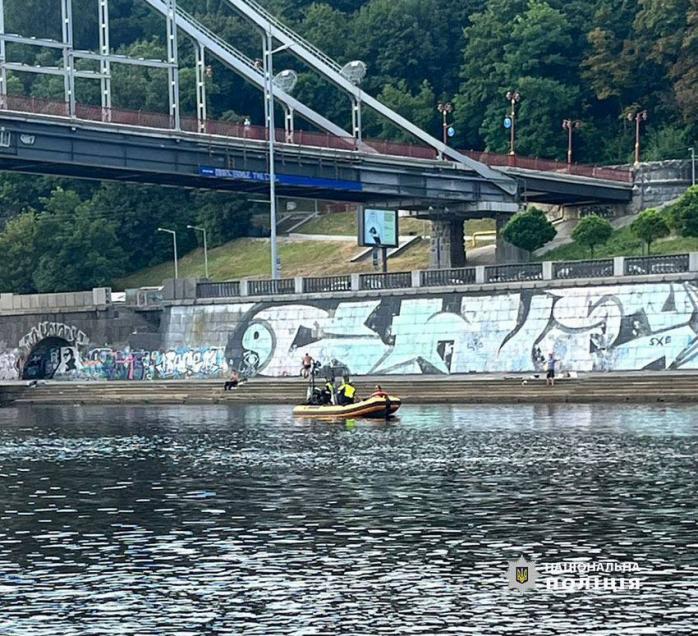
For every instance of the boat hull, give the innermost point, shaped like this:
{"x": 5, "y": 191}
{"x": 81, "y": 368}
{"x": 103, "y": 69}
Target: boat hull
{"x": 377, "y": 407}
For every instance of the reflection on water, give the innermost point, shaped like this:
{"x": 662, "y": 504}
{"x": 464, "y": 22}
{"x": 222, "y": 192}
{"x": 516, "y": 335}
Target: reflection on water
{"x": 191, "y": 520}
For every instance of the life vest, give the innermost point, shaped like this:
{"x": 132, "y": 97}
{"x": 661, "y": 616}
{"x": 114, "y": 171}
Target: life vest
{"x": 379, "y": 394}
{"x": 348, "y": 389}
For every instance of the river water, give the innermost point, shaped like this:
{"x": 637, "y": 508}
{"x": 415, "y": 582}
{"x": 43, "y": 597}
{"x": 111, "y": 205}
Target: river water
{"x": 242, "y": 520}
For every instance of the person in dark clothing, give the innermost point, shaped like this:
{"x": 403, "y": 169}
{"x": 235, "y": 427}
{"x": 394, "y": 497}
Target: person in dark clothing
{"x": 327, "y": 395}
{"x": 233, "y": 382}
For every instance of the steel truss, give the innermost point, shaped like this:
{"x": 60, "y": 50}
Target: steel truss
{"x": 205, "y": 41}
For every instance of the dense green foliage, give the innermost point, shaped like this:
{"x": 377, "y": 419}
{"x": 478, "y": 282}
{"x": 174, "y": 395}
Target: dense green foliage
{"x": 684, "y": 213}
{"x": 592, "y": 60}
{"x": 591, "y": 231}
{"x": 529, "y": 230}
{"x": 649, "y": 226}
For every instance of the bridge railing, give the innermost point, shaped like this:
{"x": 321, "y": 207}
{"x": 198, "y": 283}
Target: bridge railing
{"x": 218, "y": 290}
{"x": 390, "y": 280}
{"x": 479, "y": 277}
{"x": 442, "y": 277}
{"x": 299, "y": 137}
{"x": 583, "y": 269}
{"x": 663, "y": 264}
{"x": 513, "y": 273}
{"x": 315, "y": 284}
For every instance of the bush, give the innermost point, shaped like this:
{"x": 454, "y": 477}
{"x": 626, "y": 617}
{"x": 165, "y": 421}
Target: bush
{"x": 529, "y": 230}
{"x": 650, "y": 226}
{"x": 684, "y": 213}
{"x": 591, "y": 231}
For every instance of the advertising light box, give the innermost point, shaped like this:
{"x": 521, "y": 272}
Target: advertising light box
{"x": 378, "y": 228}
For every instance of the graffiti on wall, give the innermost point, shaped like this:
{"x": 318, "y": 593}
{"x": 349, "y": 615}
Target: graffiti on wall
{"x": 44, "y": 330}
{"x": 110, "y": 364}
{"x": 114, "y": 364}
{"x": 9, "y": 369}
{"x": 624, "y": 327}
{"x": 643, "y": 326}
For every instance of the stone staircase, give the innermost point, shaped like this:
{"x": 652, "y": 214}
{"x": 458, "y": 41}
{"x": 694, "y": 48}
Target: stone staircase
{"x": 636, "y": 387}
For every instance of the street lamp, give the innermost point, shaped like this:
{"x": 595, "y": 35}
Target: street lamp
{"x": 271, "y": 133}
{"x": 638, "y": 116}
{"x": 513, "y": 97}
{"x": 569, "y": 125}
{"x": 445, "y": 108}
{"x": 693, "y": 165}
{"x": 174, "y": 242}
{"x": 203, "y": 231}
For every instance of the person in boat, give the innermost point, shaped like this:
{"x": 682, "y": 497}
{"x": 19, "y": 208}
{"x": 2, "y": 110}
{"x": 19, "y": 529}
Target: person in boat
{"x": 346, "y": 392}
{"x": 328, "y": 394}
{"x": 379, "y": 392}
{"x": 233, "y": 382}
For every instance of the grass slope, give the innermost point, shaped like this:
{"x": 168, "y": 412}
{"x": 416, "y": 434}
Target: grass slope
{"x": 344, "y": 224}
{"x": 251, "y": 257}
{"x": 621, "y": 243}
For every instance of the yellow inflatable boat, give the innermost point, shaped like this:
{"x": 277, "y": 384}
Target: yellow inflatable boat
{"x": 375, "y": 406}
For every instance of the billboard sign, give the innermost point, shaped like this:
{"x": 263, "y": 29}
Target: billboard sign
{"x": 378, "y": 228}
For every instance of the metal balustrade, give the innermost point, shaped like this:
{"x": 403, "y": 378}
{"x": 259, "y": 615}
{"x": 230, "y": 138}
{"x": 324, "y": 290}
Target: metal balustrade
{"x": 228, "y": 289}
{"x": 391, "y": 280}
{"x": 583, "y": 269}
{"x": 664, "y": 264}
{"x": 513, "y": 273}
{"x": 271, "y": 287}
{"x": 438, "y": 277}
{"x": 326, "y": 284}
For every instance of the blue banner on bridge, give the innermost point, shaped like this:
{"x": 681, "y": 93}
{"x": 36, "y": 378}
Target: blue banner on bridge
{"x": 282, "y": 179}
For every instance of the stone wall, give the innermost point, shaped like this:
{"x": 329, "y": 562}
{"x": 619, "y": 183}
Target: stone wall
{"x": 659, "y": 182}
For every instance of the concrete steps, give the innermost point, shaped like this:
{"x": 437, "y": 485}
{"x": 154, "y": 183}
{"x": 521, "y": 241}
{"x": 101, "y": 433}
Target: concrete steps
{"x": 630, "y": 387}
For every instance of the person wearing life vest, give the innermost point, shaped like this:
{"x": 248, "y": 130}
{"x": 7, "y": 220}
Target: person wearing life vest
{"x": 346, "y": 392}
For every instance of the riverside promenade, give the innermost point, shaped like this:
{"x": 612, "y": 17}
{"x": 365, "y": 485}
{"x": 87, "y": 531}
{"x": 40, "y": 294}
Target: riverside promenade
{"x": 631, "y": 387}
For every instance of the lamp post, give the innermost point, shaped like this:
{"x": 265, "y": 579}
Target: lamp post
{"x": 638, "y": 116}
{"x": 203, "y": 231}
{"x": 174, "y": 243}
{"x": 445, "y": 108}
{"x": 271, "y": 133}
{"x": 513, "y": 97}
{"x": 569, "y": 125}
{"x": 693, "y": 165}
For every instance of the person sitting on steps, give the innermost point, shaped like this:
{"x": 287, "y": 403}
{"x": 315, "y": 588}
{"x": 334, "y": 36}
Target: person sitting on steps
{"x": 233, "y": 382}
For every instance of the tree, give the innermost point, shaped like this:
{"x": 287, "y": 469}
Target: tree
{"x": 75, "y": 248}
{"x": 529, "y": 230}
{"x": 591, "y": 231}
{"x": 18, "y": 247}
{"x": 684, "y": 213}
{"x": 224, "y": 215}
{"x": 649, "y": 226}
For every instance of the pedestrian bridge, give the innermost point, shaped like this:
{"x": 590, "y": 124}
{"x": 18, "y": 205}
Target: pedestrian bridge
{"x": 40, "y": 136}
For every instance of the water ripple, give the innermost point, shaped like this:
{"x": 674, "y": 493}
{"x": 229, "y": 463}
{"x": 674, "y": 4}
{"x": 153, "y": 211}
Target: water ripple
{"x": 222, "y": 520}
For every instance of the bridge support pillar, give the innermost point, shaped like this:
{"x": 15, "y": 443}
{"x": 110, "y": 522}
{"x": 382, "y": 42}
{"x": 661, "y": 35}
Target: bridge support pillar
{"x": 505, "y": 252}
{"x": 447, "y": 244}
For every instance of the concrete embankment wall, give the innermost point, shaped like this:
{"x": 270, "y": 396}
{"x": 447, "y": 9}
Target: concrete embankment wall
{"x": 593, "y": 328}
{"x": 511, "y": 329}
